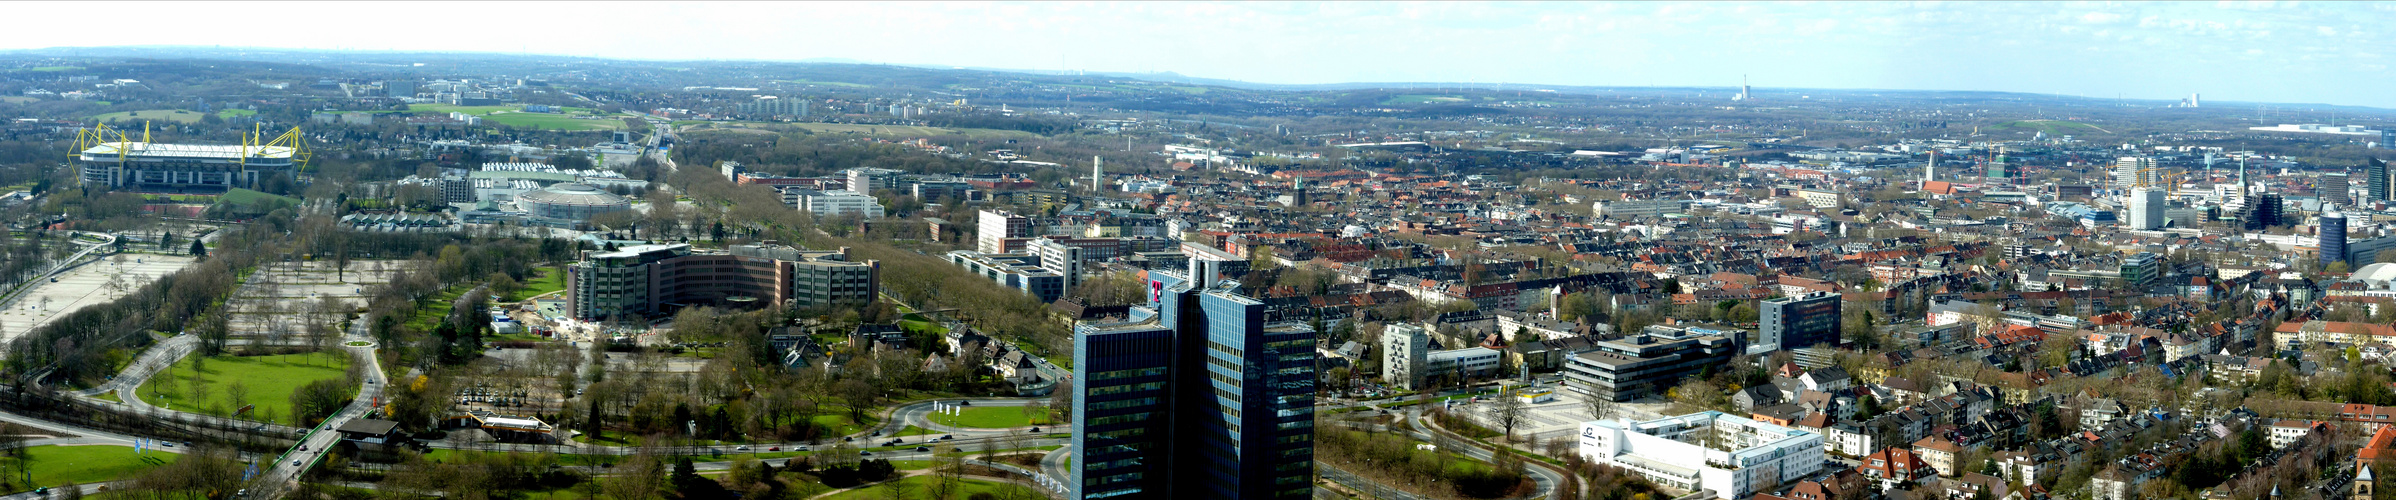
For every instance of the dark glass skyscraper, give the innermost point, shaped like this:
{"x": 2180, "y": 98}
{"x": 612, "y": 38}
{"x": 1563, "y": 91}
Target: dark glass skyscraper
{"x": 2376, "y": 183}
{"x": 1798, "y": 322}
{"x": 2332, "y": 235}
{"x": 1198, "y": 397}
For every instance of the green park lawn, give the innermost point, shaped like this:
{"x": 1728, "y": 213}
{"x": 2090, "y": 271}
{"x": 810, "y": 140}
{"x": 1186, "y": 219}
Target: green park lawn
{"x": 513, "y": 116}
{"x": 990, "y": 417}
{"x": 156, "y": 115}
{"x": 245, "y": 197}
{"x": 914, "y": 485}
{"x": 57, "y": 465}
{"x": 915, "y": 323}
{"x": 269, "y": 380}
{"x": 840, "y": 424}
{"x": 430, "y": 311}
{"x": 549, "y": 280}
{"x": 913, "y": 431}
{"x": 551, "y": 121}
{"x": 447, "y": 108}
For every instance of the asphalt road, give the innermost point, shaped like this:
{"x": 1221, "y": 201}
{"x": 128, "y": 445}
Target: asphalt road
{"x": 271, "y": 482}
{"x": 1548, "y": 481}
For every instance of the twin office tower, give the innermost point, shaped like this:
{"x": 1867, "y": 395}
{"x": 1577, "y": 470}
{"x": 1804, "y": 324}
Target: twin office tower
{"x": 1197, "y": 396}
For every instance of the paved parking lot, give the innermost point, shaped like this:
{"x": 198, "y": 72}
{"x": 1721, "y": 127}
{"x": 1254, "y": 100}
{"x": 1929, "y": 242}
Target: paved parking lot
{"x": 292, "y": 286}
{"x": 1561, "y": 416}
{"x": 83, "y": 287}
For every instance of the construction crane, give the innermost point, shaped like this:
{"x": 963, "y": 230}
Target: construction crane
{"x": 2158, "y": 177}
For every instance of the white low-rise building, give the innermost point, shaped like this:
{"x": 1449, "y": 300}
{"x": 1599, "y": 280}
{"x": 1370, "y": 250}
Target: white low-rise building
{"x": 1409, "y": 362}
{"x": 1730, "y": 456}
{"x": 832, "y": 203}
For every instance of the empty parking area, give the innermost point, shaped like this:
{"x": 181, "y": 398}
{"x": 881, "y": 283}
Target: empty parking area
{"x": 95, "y": 283}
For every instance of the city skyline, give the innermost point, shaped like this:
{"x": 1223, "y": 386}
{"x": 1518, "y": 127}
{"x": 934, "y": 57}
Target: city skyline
{"x": 2244, "y": 52}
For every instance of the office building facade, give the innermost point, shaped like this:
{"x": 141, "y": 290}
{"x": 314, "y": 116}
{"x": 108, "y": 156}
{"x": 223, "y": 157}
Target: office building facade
{"x": 832, "y": 203}
{"x": 1733, "y": 457}
{"x": 2133, "y": 171}
{"x": 1236, "y": 394}
{"x": 1000, "y": 231}
{"x": 651, "y": 280}
{"x": 2268, "y": 210}
{"x": 2146, "y": 208}
{"x": 2142, "y": 268}
{"x": 866, "y": 181}
{"x": 2375, "y": 183}
{"x": 1806, "y": 320}
{"x": 1024, "y": 272}
{"x": 1409, "y": 363}
{"x": 2333, "y": 189}
{"x": 2331, "y": 235}
{"x": 1650, "y": 362}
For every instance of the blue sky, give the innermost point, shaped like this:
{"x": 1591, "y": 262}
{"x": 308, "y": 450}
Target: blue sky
{"x": 2336, "y": 53}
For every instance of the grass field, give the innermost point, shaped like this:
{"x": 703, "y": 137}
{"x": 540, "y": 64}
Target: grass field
{"x": 914, "y": 486}
{"x": 57, "y": 465}
{"x": 990, "y": 417}
{"x": 913, "y": 431}
{"x": 430, "y": 312}
{"x": 156, "y": 115}
{"x": 513, "y": 116}
{"x": 54, "y": 68}
{"x": 548, "y": 121}
{"x": 841, "y": 425}
{"x": 921, "y": 325}
{"x": 244, "y": 197}
{"x": 269, "y": 380}
{"x": 16, "y": 99}
{"x": 449, "y": 108}
{"x": 550, "y": 280}
{"x": 1421, "y": 99}
{"x": 912, "y": 131}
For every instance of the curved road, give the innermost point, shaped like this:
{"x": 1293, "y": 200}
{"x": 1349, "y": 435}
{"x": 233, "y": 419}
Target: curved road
{"x": 156, "y": 358}
{"x": 1548, "y": 480}
{"x": 286, "y": 468}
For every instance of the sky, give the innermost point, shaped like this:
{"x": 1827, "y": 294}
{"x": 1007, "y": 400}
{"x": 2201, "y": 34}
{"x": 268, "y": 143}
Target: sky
{"x": 2281, "y": 52}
